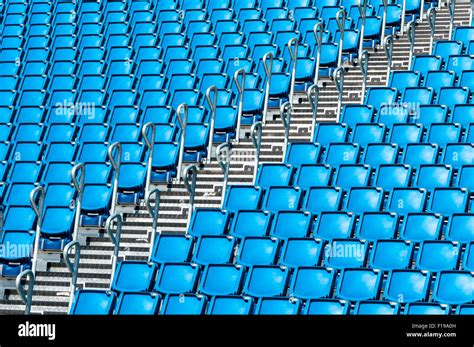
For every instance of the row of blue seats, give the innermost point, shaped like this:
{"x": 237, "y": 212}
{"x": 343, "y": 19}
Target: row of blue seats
{"x": 358, "y": 175}
{"x": 337, "y": 253}
{"x": 286, "y": 224}
{"x": 152, "y": 303}
{"x": 353, "y": 284}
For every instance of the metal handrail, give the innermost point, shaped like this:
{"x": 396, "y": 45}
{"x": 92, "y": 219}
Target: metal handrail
{"x": 313, "y": 97}
{"x": 384, "y": 21}
{"x": 183, "y": 121}
{"x": 114, "y": 154}
{"x": 338, "y": 77}
{"x": 150, "y": 143}
{"x": 117, "y": 218}
{"x": 341, "y": 23}
{"x": 431, "y": 14}
{"x": 268, "y": 66}
{"x": 37, "y": 194}
{"x": 362, "y": 6}
{"x": 73, "y": 267}
{"x": 26, "y": 296}
{"x": 241, "y": 89}
{"x": 153, "y": 210}
{"x": 452, "y": 10}
{"x": 285, "y": 113}
{"x": 190, "y": 181}
{"x": 318, "y": 32}
{"x": 402, "y": 24}
{"x": 364, "y": 67}
{"x": 411, "y": 29}
{"x": 213, "y": 106}
{"x": 223, "y": 155}
{"x": 294, "y": 57}
{"x": 388, "y": 46}
{"x": 256, "y": 135}
{"x": 79, "y": 186}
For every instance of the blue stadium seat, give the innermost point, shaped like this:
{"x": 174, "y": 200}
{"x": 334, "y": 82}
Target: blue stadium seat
{"x": 376, "y": 307}
{"x": 326, "y": 307}
{"x": 406, "y": 200}
{"x": 183, "y": 304}
{"x": 93, "y": 302}
{"x": 358, "y": 284}
{"x": 406, "y": 286}
{"x": 349, "y": 176}
{"x": 380, "y": 153}
{"x": 392, "y": 176}
{"x": 270, "y": 175}
{"x": 454, "y": 287}
{"x": 433, "y": 176}
{"x": 299, "y": 252}
{"x": 222, "y": 279}
{"x": 361, "y": 199}
{"x": 207, "y": 221}
{"x": 377, "y": 226}
{"x": 312, "y": 283}
{"x": 287, "y": 224}
{"x": 177, "y": 278}
{"x": 418, "y": 308}
{"x": 449, "y": 200}
{"x": 134, "y": 276}
{"x": 242, "y": 198}
{"x": 214, "y": 249}
{"x": 266, "y": 281}
{"x": 313, "y": 175}
{"x": 138, "y": 304}
{"x": 302, "y": 153}
{"x": 172, "y": 248}
{"x": 250, "y": 223}
{"x": 320, "y": 199}
{"x": 437, "y": 256}
{"x": 230, "y": 305}
{"x": 257, "y": 251}
{"x": 421, "y": 226}
{"x": 391, "y": 254}
{"x": 343, "y": 253}
{"x": 334, "y": 225}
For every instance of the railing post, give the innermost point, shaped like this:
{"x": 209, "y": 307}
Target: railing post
{"x": 318, "y": 35}
{"x": 213, "y": 106}
{"x": 338, "y": 77}
{"x": 117, "y": 218}
{"x": 78, "y": 182}
{"x": 190, "y": 180}
{"x": 384, "y": 21}
{"x": 313, "y": 97}
{"x": 402, "y": 24}
{"x": 150, "y": 143}
{"x": 73, "y": 267}
{"x": 364, "y": 67}
{"x": 26, "y": 296}
{"x": 422, "y": 9}
{"x": 285, "y": 113}
{"x": 293, "y": 49}
{"x": 256, "y": 134}
{"x": 240, "y": 84}
{"x": 115, "y": 156}
{"x": 37, "y": 203}
{"x": 388, "y": 46}
{"x": 431, "y": 14}
{"x": 341, "y": 23}
{"x": 362, "y": 6}
{"x": 411, "y": 28}
{"x": 268, "y": 66}
{"x": 223, "y": 155}
{"x": 452, "y": 9}
{"x": 183, "y": 121}
{"x": 153, "y": 210}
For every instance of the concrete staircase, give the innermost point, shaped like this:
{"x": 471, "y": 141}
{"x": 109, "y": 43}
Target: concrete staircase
{"x": 51, "y": 294}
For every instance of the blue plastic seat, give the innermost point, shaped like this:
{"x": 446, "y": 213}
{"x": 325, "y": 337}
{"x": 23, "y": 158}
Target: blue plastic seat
{"x": 326, "y": 307}
{"x": 342, "y": 153}
{"x": 93, "y": 302}
{"x": 425, "y": 63}
{"x": 172, "y": 248}
{"x": 466, "y": 178}
{"x": 184, "y": 304}
{"x": 326, "y": 133}
{"x": 465, "y": 309}
{"x": 439, "y": 79}
{"x": 361, "y": 199}
{"x": 377, "y": 226}
{"x": 320, "y": 199}
{"x": 358, "y": 284}
{"x": 334, "y": 225}
{"x": 219, "y": 279}
{"x": 177, "y": 278}
{"x": 301, "y": 252}
{"x": 459, "y": 154}
{"x": 421, "y": 227}
{"x": 417, "y": 154}
{"x": 274, "y": 175}
{"x": 349, "y": 176}
{"x": 468, "y": 260}
{"x": 406, "y": 286}
{"x": 345, "y": 253}
{"x": 406, "y": 200}
{"x": 134, "y": 276}
{"x": 392, "y": 176}
{"x": 404, "y": 79}
{"x": 278, "y": 306}
{"x": 313, "y": 175}
{"x": 429, "y": 114}
{"x": 379, "y": 96}
{"x": 449, "y": 200}
{"x": 312, "y": 283}
{"x": 282, "y": 198}
{"x": 18, "y": 245}
{"x": 302, "y": 153}
{"x": 418, "y": 308}
{"x": 451, "y": 96}
{"x": 391, "y": 254}
{"x": 250, "y": 223}
{"x": 380, "y": 153}
{"x": 376, "y": 308}
{"x": 463, "y": 114}
{"x": 454, "y": 287}
{"x": 266, "y": 281}
{"x": 433, "y": 176}
{"x": 437, "y": 256}
{"x": 242, "y": 198}
{"x": 208, "y": 221}
{"x": 355, "y": 114}
{"x": 230, "y": 305}
{"x": 138, "y": 304}
{"x": 460, "y": 227}
{"x": 258, "y": 251}
{"x": 404, "y": 134}
{"x": 287, "y": 224}
{"x": 96, "y": 202}
{"x": 364, "y": 134}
